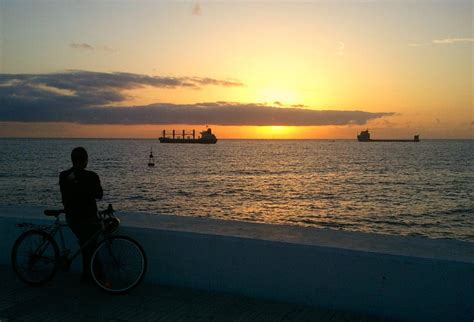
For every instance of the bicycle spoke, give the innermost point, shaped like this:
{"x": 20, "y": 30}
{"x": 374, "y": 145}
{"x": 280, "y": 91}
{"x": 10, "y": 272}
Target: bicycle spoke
{"x": 123, "y": 264}
{"x": 35, "y": 257}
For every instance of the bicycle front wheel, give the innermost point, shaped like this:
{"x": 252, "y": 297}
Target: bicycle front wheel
{"x": 118, "y": 264}
{"x": 35, "y": 257}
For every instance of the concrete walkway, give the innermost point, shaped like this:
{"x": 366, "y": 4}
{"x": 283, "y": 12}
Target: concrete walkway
{"x": 65, "y": 299}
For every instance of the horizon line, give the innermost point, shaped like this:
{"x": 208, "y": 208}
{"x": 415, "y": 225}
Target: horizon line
{"x": 221, "y": 139}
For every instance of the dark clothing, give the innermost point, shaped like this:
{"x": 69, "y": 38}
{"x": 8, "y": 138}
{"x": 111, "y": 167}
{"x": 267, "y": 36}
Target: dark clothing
{"x": 79, "y": 190}
{"x": 84, "y": 231}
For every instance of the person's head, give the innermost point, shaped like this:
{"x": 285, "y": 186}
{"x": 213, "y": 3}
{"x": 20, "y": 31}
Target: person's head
{"x": 79, "y": 157}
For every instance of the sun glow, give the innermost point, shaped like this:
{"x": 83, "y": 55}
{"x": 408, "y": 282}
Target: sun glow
{"x": 275, "y": 132}
{"x": 277, "y": 96}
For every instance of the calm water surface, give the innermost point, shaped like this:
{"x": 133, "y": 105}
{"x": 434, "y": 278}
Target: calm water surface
{"x": 396, "y": 188}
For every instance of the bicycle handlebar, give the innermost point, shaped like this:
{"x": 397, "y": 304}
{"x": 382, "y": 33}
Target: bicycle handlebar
{"x": 109, "y": 211}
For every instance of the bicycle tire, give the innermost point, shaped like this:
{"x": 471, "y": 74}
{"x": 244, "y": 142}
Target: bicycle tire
{"x": 26, "y": 274}
{"x": 112, "y": 257}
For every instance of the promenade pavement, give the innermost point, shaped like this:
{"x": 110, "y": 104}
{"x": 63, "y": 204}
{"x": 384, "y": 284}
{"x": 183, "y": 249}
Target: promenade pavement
{"x": 65, "y": 299}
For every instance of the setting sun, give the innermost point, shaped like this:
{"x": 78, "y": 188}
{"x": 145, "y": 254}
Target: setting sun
{"x": 272, "y": 132}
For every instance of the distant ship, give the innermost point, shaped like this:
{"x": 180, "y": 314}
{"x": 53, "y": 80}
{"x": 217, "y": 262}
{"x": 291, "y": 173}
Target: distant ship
{"x": 364, "y": 136}
{"x": 206, "y": 137}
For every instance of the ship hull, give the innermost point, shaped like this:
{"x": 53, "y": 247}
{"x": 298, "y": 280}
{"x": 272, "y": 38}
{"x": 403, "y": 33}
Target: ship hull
{"x": 199, "y": 141}
{"x": 364, "y": 136}
{"x": 370, "y": 140}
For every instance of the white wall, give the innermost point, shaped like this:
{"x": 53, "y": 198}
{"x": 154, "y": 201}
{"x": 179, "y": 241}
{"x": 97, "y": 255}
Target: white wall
{"x": 215, "y": 255}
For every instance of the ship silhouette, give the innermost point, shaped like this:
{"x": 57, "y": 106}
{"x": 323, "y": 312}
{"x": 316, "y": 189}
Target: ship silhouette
{"x": 207, "y": 137}
{"x": 364, "y": 136}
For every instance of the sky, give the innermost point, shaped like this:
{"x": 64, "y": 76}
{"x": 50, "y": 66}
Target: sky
{"x": 248, "y": 69}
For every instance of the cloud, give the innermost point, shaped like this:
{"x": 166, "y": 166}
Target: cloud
{"x": 450, "y": 41}
{"x": 217, "y": 82}
{"x": 416, "y": 44}
{"x": 219, "y": 113}
{"x": 383, "y": 123}
{"x": 82, "y": 46}
{"x": 91, "y": 98}
{"x": 196, "y": 9}
{"x": 85, "y": 46}
{"x": 90, "y": 83}
{"x": 445, "y": 41}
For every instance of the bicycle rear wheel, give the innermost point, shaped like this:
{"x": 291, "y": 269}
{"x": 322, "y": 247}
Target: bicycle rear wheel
{"x": 35, "y": 257}
{"x": 118, "y": 264}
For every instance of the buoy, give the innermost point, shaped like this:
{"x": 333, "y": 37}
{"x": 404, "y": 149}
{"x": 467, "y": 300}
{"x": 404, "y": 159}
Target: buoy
{"x": 151, "y": 160}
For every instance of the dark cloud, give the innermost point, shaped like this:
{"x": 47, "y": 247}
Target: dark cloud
{"x": 80, "y": 97}
{"x": 88, "y": 47}
{"x": 216, "y": 82}
{"x": 89, "y": 81}
{"x": 82, "y": 46}
{"x": 101, "y": 86}
{"x": 223, "y": 113}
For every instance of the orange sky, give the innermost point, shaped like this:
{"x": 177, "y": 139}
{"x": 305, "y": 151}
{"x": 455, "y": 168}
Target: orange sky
{"x": 413, "y": 59}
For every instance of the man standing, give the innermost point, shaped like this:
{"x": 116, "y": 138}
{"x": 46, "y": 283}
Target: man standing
{"x": 79, "y": 190}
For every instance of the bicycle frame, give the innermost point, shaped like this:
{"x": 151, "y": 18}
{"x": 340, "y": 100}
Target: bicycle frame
{"x": 64, "y": 251}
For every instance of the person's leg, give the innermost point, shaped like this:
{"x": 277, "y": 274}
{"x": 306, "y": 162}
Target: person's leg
{"x": 83, "y": 232}
{"x": 89, "y": 230}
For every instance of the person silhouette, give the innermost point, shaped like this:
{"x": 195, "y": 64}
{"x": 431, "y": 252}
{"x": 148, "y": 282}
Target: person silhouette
{"x": 79, "y": 190}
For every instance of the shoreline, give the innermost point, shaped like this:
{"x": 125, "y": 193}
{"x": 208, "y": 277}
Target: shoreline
{"x": 11, "y": 207}
{"x": 401, "y": 245}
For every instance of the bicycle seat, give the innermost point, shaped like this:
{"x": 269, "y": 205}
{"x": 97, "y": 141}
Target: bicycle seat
{"x": 54, "y": 213}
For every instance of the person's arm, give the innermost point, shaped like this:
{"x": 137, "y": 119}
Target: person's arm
{"x": 63, "y": 190}
{"x": 98, "y": 191}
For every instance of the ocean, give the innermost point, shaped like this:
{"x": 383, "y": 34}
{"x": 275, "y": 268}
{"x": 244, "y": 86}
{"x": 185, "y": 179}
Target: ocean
{"x": 423, "y": 189}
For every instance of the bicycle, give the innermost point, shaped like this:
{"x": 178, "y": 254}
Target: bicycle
{"x": 118, "y": 262}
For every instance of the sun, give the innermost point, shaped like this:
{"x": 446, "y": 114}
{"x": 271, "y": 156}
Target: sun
{"x": 274, "y": 132}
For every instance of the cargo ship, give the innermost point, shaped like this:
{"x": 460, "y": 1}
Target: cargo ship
{"x": 207, "y": 137}
{"x": 364, "y": 136}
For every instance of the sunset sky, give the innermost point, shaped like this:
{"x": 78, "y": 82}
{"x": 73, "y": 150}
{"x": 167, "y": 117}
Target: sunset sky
{"x": 248, "y": 69}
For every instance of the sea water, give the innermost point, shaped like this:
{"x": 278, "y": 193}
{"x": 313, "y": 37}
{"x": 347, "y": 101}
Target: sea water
{"x": 423, "y": 188}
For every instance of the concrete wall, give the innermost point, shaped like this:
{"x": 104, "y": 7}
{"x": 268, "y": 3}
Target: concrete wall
{"x": 259, "y": 261}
